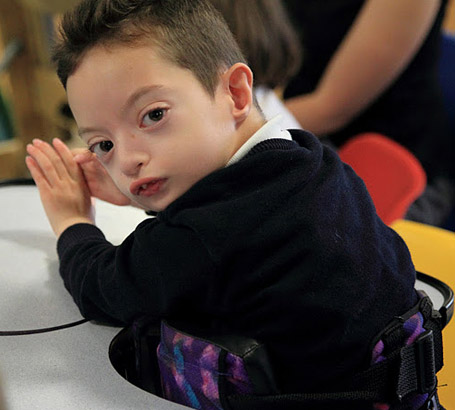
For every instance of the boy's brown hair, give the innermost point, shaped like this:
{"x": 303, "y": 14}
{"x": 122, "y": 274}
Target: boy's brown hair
{"x": 267, "y": 38}
{"x": 189, "y": 33}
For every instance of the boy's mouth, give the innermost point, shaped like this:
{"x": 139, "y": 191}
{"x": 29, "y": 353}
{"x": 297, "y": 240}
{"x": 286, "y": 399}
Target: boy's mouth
{"x": 147, "y": 186}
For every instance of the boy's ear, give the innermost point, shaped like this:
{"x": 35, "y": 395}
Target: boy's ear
{"x": 239, "y": 82}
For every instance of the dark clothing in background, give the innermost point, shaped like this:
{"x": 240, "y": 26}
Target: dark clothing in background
{"x": 410, "y": 111}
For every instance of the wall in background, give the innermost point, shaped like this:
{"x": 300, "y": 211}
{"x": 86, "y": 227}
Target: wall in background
{"x": 449, "y": 23}
{"x": 29, "y": 85}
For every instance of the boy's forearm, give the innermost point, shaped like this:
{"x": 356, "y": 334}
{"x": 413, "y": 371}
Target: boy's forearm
{"x": 70, "y": 222}
{"x": 99, "y": 276}
{"x": 78, "y": 248}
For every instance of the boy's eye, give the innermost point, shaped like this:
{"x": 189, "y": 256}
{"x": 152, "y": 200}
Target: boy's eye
{"x": 153, "y": 116}
{"x": 101, "y": 148}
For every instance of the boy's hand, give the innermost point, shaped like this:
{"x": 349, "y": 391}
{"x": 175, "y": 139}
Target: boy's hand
{"x": 63, "y": 190}
{"x": 98, "y": 180}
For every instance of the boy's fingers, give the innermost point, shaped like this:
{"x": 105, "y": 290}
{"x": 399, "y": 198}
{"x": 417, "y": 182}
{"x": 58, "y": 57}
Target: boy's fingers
{"x": 83, "y": 156}
{"x": 37, "y": 175}
{"x": 67, "y": 158}
{"x": 52, "y": 156}
{"x": 45, "y": 165}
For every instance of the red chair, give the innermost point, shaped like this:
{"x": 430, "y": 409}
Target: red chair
{"x": 393, "y": 175}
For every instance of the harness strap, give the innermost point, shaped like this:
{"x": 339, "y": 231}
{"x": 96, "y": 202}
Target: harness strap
{"x": 417, "y": 368}
{"x": 409, "y": 369}
{"x": 408, "y": 355}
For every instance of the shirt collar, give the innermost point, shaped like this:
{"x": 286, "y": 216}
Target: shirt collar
{"x": 270, "y": 130}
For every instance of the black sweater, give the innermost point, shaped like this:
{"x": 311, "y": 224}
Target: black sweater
{"x": 283, "y": 246}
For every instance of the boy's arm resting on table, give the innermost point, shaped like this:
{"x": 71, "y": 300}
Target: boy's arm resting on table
{"x": 62, "y": 187}
{"x": 157, "y": 269}
{"x": 113, "y": 284}
{"x": 377, "y": 48}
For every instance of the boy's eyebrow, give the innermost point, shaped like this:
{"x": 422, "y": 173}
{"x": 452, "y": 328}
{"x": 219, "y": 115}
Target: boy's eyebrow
{"x": 129, "y": 102}
{"x": 85, "y": 130}
{"x": 138, "y": 94}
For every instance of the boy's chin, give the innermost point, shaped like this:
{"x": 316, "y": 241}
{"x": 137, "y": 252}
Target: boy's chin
{"x": 151, "y": 210}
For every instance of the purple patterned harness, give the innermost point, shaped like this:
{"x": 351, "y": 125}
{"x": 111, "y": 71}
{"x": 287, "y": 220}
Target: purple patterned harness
{"x": 190, "y": 370}
{"x": 234, "y": 373}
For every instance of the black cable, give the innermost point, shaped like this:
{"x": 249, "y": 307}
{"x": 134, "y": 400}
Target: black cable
{"x": 18, "y": 182}
{"x": 42, "y": 330}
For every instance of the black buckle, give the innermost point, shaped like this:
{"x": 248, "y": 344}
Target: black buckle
{"x": 447, "y": 308}
{"x": 417, "y": 372}
{"x": 425, "y": 363}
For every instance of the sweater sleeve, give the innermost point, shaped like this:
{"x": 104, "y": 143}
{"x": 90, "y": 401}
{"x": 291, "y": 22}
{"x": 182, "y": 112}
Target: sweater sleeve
{"x": 144, "y": 275}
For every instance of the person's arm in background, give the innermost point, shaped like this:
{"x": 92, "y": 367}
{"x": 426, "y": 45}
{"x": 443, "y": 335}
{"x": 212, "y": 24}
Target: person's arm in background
{"x": 377, "y": 48}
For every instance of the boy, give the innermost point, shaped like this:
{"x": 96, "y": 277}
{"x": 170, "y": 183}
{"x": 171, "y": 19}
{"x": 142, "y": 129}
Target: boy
{"x": 260, "y": 232}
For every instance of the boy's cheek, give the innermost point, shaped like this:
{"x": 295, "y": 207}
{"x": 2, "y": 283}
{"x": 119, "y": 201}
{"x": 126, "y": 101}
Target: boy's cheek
{"x": 117, "y": 180}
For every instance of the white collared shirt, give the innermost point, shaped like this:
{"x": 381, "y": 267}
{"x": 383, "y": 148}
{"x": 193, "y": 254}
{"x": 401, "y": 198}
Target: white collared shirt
{"x": 270, "y": 130}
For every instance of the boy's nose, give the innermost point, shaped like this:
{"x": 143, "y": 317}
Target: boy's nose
{"x": 131, "y": 159}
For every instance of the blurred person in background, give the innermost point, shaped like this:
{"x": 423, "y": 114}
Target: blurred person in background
{"x": 266, "y": 37}
{"x": 372, "y": 66}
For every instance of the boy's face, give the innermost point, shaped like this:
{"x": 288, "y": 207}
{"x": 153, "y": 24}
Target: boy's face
{"x": 151, "y": 123}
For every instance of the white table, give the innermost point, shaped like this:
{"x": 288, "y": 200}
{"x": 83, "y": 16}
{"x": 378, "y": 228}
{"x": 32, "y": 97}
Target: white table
{"x": 63, "y": 369}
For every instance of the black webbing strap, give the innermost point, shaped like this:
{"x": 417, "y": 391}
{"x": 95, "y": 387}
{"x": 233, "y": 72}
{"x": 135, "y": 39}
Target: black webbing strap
{"x": 321, "y": 401}
{"x": 416, "y": 374}
{"x": 406, "y": 370}
{"x": 434, "y": 322}
{"x": 417, "y": 367}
